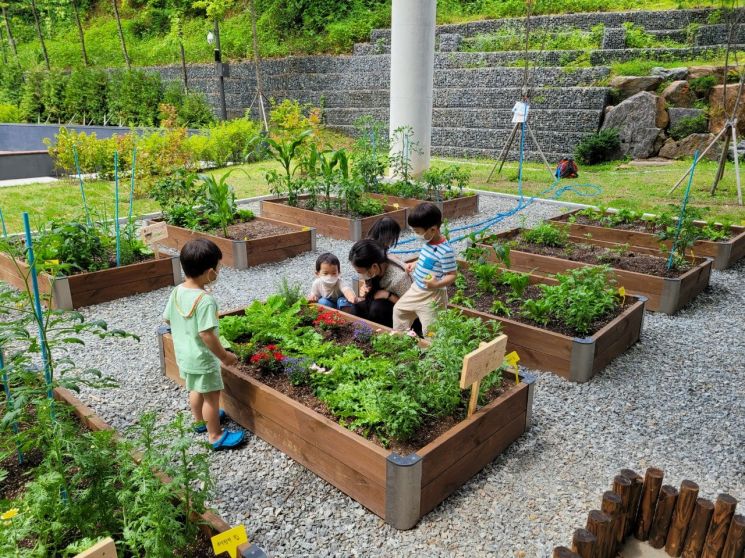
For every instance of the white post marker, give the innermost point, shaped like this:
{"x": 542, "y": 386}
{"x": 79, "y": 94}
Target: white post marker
{"x": 412, "y": 73}
{"x": 151, "y": 234}
{"x": 479, "y": 363}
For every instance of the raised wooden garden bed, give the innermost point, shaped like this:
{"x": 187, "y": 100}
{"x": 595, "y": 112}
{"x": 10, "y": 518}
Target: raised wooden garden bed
{"x": 575, "y": 358}
{"x": 209, "y": 523}
{"x": 241, "y": 254}
{"x": 464, "y": 206}
{"x": 333, "y": 226}
{"x": 399, "y": 488}
{"x": 664, "y": 294}
{"x": 725, "y": 253}
{"x": 84, "y": 289}
{"x": 659, "y": 517}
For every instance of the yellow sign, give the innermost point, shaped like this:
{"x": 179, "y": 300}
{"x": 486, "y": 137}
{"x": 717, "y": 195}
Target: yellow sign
{"x": 230, "y": 540}
{"x": 512, "y": 359}
{"x": 622, "y": 292}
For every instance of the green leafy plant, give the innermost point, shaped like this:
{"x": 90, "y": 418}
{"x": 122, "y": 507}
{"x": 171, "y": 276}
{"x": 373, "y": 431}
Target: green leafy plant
{"x": 546, "y": 234}
{"x": 445, "y": 183}
{"x": 371, "y": 152}
{"x": 400, "y": 159}
{"x": 219, "y": 201}
{"x": 703, "y": 85}
{"x": 285, "y": 154}
{"x": 179, "y": 195}
{"x": 518, "y": 282}
{"x": 689, "y": 125}
{"x": 598, "y": 147}
{"x": 538, "y": 310}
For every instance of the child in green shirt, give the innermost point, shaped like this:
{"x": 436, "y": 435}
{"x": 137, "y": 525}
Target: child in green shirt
{"x": 192, "y": 314}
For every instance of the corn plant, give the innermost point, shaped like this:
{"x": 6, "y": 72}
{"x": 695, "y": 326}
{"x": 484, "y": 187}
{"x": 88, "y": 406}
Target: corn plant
{"x": 285, "y": 154}
{"x": 219, "y": 202}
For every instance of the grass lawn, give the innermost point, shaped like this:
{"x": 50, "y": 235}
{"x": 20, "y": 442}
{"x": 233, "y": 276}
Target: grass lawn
{"x": 623, "y": 186}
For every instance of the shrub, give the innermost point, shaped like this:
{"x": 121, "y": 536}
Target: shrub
{"x": 227, "y": 141}
{"x": 53, "y": 94}
{"x": 10, "y": 113}
{"x": 32, "y": 105}
{"x": 289, "y": 118}
{"x": 85, "y": 95}
{"x": 702, "y": 86}
{"x": 689, "y": 125}
{"x": 11, "y": 84}
{"x": 598, "y": 147}
{"x": 134, "y": 97}
{"x": 193, "y": 110}
{"x": 94, "y": 155}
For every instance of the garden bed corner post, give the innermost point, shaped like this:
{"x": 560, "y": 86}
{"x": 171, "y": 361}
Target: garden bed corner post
{"x": 403, "y": 490}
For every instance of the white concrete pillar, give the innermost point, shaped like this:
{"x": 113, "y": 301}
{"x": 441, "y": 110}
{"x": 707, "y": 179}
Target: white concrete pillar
{"x": 412, "y": 71}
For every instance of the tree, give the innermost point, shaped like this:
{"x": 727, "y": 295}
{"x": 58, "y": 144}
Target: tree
{"x": 80, "y": 31}
{"x": 40, "y": 34}
{"x": 121, "y": 35}
{"x": 178, "y": 31}
{"x": 4, "y": 5}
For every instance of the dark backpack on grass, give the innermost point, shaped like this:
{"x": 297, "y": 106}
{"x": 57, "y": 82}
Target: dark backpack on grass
{"x": 566, "y": 168}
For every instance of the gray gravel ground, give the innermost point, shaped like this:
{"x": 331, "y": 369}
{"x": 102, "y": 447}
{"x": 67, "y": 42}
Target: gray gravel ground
{"x": 676, "y": 400}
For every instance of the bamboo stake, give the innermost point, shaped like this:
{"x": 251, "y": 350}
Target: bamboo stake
{"x": 681, "y": 518}
{"x": 724, "y": 509}
{"x": 697, "y": 528}
{"x": 650, "y": 491}
{"x": 662, "y": 516}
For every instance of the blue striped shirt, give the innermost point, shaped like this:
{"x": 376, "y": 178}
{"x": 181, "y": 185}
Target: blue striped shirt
{"x": 436, "y": 260}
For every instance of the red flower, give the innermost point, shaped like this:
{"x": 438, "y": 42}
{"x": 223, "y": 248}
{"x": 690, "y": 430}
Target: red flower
{"x": 328, "y": 318}
{"x": 271, "y": 347}
{"x": 278, "y": 356}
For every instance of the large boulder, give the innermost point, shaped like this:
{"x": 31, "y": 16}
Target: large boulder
{"x": 628, "y": 86}
{"x": 718, "y": 112}
{"x": 678, "y": 114}
{"x": 703, "y": 71}
{"x": 679, "y": 94}
{"x": 640, "y": 121}
{"x": 688, "y": 146}
{"x": 673, "y": 74}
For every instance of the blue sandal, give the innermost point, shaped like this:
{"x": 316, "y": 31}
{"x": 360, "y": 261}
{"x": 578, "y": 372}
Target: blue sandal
{"x": 229, "y": 440}
{"x": 201, "y": 427}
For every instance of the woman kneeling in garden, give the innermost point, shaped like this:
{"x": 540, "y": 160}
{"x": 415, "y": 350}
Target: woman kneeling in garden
{"x": 385, "y": 281}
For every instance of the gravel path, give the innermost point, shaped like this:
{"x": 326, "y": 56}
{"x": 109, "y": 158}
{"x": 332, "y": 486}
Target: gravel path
{"x": 676, "y": 400}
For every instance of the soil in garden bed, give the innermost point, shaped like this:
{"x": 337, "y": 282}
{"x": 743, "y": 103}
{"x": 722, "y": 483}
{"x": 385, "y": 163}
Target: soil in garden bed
{"x": 483, "y": 303}
{"x": 344, "y": 335}
{"x": 628, "y": 260}
{"x": 254, "y": 229}
{"x": 637, "y": 226}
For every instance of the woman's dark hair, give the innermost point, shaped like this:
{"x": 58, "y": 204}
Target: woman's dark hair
{"x": 327, "y": 258}
{"x": 386, "y": 231}
{"x": 425, "y": 215}
{"x": 366, "y": 252}
{"x": 197, "y": 256}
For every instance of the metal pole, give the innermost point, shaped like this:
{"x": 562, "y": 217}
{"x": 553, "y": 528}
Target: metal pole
{"x": 218, "y": 67}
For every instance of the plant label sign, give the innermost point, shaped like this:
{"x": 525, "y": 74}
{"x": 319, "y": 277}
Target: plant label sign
{"x": 230, "y": 540}
{"x": 477, "y": 364}
{"x": 153, "y": 233}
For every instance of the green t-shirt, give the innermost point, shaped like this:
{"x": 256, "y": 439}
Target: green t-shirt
{"x": 191, "y": 311}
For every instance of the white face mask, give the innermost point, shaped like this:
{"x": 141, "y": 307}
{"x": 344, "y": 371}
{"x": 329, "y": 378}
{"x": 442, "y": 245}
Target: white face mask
{"x": 422, "y": 237}
{"x": 364, "y": 276}
{"x": 330, "y": 280}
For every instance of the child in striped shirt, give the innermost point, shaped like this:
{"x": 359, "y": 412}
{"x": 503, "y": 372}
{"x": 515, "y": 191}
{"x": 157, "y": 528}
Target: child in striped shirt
{"x": 432, "y": 273}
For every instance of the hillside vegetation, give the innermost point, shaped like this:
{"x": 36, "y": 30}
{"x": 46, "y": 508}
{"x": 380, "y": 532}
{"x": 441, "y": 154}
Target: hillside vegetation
{"x": 152, "y": 27}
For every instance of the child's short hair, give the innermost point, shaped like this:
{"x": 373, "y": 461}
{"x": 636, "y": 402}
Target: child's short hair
{"x": 199, "y": 255}
{"x": 386, "y": 231}
{"x": 327, "y": 258}
{"x": 425, "y": 215}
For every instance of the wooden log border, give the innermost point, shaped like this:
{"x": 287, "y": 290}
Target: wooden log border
{"x": 401, "y": 489}
{"x": 664, "y": 517}
{"x": 95, "y": 287}
{"x": 725, "y": 253}
{"x": 242, "y": 254}
{"x": 333, "y": 226}
{"x": 209, "y": 522}
{"x": 664, "y": 294}
{"x": 464, "y": 206}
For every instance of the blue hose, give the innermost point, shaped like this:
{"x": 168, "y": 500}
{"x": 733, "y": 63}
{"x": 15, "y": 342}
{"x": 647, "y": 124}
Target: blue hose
{"x": 682, "y": 211}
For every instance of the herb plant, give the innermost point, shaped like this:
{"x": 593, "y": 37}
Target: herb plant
{"x": 546, "y": 234}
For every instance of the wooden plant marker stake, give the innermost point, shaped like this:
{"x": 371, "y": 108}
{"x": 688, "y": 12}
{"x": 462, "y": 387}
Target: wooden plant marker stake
{"x": 681, "y": 518}
{"x": 477, "y": 364}
{"x": 697, "y": 528}
{"x": 103, "y": 549}
{"x": 152, "y": 234}
{"x": 650, "y": 491}
{"x": 724, "y": 509}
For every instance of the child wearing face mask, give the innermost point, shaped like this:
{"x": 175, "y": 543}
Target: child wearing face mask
{"x": 192, "y": 314}
{"x": 432, "y": 273}
{"x": 328, "y": 288}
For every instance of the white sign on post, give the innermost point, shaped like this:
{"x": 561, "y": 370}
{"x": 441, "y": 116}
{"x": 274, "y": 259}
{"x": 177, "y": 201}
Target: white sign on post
{"x": 153, "y": 233}
{"x": 520, "y": 112}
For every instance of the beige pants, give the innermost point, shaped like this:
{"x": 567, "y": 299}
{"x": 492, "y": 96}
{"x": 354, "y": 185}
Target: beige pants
{"x": 418, "y": 303}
